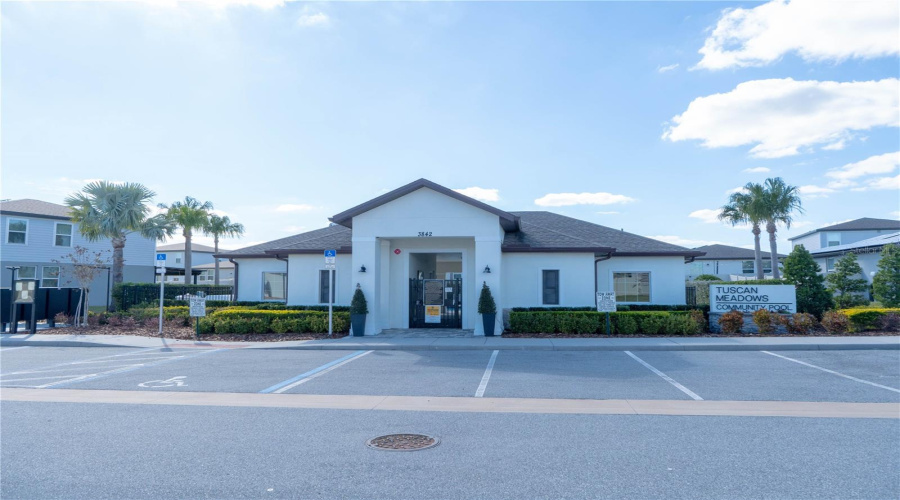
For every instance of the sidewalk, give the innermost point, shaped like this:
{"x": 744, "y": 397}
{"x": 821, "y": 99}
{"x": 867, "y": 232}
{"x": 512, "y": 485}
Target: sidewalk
{"x": 478, "y": 343}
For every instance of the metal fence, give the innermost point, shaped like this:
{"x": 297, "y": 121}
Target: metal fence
{"x": 48, "y": 302}
{"x": 690, "y": 295}
{"x": 128, "y": 296}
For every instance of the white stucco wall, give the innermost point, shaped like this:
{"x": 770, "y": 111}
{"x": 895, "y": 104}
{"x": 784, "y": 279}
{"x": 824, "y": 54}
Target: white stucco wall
{"x": 522, "y": 279}
{"x": 250, "y": 278}
{"x": 666, "y": 276}
{"x": 303, "y": 279}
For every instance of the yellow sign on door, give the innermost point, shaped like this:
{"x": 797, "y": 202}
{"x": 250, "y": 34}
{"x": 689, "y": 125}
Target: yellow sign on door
{"x": 432, "y": 314}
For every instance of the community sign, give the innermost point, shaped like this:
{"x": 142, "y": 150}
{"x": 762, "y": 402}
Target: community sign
{"x": 749, "y": 298}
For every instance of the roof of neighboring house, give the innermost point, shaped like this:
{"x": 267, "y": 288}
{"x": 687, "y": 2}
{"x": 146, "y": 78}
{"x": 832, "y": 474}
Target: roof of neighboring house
{"x": 35, "y": 208}
{"x": 727, "y": 252}
{"x": 179, "y": 247}
{"x": 508, "y": 221}
{"x": 539, "y": 232}
{"x": 212, "y": 265}
{"x": 875, "y": 242}
{"x": 864, "y": 224}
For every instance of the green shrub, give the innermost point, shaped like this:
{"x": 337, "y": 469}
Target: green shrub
{"x": 731, "y": 322}
{"x": 358, "y": 304}
{"x": 652, "y": 323}
{"x": 765, "y": 321}
{"x": 799, "y": 323}
{"x": 835, "y": 322}
{"x": 683, "y": 324}
{"x": 707, "y": 277}
{"x": 625, "y": 324}
{"x": 862, "y": 319}
{"x": 699, "y": 320}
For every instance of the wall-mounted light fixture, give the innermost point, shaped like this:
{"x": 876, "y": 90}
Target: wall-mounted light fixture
{"x": 362, "y": 269}
{"x": 487, "y": 269}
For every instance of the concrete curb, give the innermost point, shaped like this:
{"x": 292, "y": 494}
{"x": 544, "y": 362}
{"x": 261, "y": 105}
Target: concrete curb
{"x": 481, "y": 344}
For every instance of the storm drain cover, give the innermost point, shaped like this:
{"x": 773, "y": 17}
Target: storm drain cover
{"x": 403, "y": 442}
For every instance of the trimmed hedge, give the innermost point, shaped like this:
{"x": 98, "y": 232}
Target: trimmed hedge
{"x": 592, "y": 322}
{"x": 619, "y": 308}
{"x": 240, "y": 320}
{"x": 862, "y": 319}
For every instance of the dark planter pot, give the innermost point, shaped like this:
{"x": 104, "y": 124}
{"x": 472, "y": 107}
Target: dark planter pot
{"x": 358, "y": 323}
{"x": 488, "y": 319}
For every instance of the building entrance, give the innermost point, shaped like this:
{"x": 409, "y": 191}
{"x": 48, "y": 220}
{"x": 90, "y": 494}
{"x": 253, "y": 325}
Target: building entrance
{"x": 435, "y": 290}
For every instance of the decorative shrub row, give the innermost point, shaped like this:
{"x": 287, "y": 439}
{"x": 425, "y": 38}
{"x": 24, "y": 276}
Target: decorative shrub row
{"x": 243, "y": 321}
{"x": 863, "y": 319}
{"x": 767, "y": 322}
{"x": 619, "y": 308}
{"x": 622, "y": 323}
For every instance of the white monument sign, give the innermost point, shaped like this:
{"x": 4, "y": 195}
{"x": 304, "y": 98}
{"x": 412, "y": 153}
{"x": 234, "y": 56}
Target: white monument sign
{"x": 749, "y": 298}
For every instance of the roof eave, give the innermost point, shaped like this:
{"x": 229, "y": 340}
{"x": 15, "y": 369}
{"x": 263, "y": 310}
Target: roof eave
{"x": 38, "y": 216}
{"x": 530, "y": 249}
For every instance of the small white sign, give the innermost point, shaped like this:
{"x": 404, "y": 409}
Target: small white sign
{"x": 330, "y": 266}
{"x": 749, "y": 298}
{"x": 606, "y": 302}
{"x": 160, "y": 270}
{"x": 198, "y": 306}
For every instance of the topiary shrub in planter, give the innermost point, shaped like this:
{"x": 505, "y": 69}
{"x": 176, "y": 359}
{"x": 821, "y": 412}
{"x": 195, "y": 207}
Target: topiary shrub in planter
{"x": 358, "y": 310}
{"x": 731, "y": 322}
{"x": 487, "y": 308}
{"x": 765, "y": 321}
{"x": 835, "y": 322}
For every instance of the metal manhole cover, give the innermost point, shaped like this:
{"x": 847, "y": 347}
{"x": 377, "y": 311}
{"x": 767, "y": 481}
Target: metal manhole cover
{"x": 403, "y": 442}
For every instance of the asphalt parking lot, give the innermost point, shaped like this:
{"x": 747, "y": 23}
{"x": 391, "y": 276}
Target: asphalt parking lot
{"x": 834, "y": 376}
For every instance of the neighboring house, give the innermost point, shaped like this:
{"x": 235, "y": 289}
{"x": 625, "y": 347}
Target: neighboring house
{"x": 728, "y": 263}
{"x": 421, "y": 253}
{"x": 200, "y": 255}
{"x": 845, "y": 233}
{"x": 868, "y": 253}
{"x": 35, "y": 233}
{"x": 207, "y": 276}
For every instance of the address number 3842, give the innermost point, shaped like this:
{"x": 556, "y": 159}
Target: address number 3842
{"x": 424, "y": 234}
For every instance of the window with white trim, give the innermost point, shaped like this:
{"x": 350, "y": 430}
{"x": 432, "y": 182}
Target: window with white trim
{"x": 63, "y": 236}
{"x": 550, "y": 287}
{"x": 323, "y": 285}
{"x": 50, "y": 277}
{"x": 27, "y": 273}
{"x": 747, "y": 267}
{"x": 17, "y": 231}
{"x": 829, "y": 264}
{"x": 767, "y": 265}
{"x": 832, "y": 239}
{"x": 273, "y": 286}
{"x": 632, "y": 287}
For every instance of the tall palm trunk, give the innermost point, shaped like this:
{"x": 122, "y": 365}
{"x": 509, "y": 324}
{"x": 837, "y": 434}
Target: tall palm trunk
{"x": 216, "y": 248}
{"x": 757, "y": 251}
{"x": 118, "y": 265}
{"x": 188, "y": 278}
{"x": 773, "y": 248}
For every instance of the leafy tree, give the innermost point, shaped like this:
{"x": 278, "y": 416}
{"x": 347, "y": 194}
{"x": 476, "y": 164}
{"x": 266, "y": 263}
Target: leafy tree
{"x": 222, "y": 226}
{"x": 86, "y": 265}
{"x": 108, "y": 210}
{"x": 747, "y": 207}
{"x": 841, "y": 281}
{"x": 801, "y": 269}
{"x": 188, "y": 215}
{"x": 886, "y": 282}
{"x": 779, "y": 201}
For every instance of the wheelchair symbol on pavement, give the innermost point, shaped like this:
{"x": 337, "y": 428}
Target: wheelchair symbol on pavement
{"x": 172, "y": 382}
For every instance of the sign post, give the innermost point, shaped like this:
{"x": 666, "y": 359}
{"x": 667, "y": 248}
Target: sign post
{"x": 161, "y": 271}
{"x": 198, "y": 310}
{"x": 606, "y": 302}
{"x": 330, "y": 256}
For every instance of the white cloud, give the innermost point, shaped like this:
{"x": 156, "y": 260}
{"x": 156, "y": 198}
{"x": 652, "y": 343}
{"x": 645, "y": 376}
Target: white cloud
{"x": 294, "y": 208}
{"x": 683, "y": 242}
{"x": 568, "y": 199}
{"x": 885, "y": 183}
{"x": 707, "y": 215}
{"x": 663, "y": 69}
{"x": 310, "y": 19}
{"x": 879, "y": 164}
{"x": 482, "y": 194}
{"x": 815, "y": 30}
{"x": 293, "y": 229}
{"x": 781, "y": 116}
{"x": 757, "y": 170}
{"x": 734, "y": 190}
{"x": 812, "y": 191}
{"x": 607, "y": 213}
{"x": 895, "y": 215}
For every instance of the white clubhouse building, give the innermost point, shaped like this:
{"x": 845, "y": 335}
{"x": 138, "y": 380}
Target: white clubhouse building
{"x": 424, "y": 247}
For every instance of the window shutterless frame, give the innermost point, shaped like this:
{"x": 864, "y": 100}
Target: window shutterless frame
{"x": 17, "y": 231}
{"x": 620, "y": 287}
{"x": 550, "y": 287}
{"x": 273, "y": 286}
{"x": 50, "y": 277}
{"x": 62, "y": 234}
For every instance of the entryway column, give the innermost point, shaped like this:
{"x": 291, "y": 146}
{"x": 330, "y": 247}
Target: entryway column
{"x": 487, "y": 256}
{"x": 366, "y": 253}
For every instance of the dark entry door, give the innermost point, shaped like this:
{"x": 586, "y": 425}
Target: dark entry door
{"x": 435, "y": 303}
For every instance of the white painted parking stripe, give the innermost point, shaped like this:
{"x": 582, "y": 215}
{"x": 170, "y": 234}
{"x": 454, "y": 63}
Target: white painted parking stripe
{"x": 129, "y": 368}
{"x": 14, "y": 348}
{"x": 71, "y": 363}
{"x": 487, "y": 376}
{"x": 839, "y": 374}
{"x": 666, "y": 377}
{"x": 304, "y": 377}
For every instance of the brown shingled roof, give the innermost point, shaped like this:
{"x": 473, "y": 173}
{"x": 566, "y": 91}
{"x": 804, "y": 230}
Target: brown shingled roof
{"x": 35, "y": 208}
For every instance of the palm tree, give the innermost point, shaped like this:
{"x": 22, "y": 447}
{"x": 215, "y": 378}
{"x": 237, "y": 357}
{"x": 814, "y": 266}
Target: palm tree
{"x": 745, "y": 207}
{"x": 188, "y": 215}
{"x": 222, "y": 226}
{"x": 779, "y": 201}
{"x": 106, "y": 210}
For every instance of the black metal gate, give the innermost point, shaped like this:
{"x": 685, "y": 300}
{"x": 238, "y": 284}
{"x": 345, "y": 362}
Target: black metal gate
{"x": 435, "y": 303}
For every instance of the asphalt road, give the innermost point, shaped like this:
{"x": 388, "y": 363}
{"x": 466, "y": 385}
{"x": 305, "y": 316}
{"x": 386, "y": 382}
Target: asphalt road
{"x": 84, "y": 450}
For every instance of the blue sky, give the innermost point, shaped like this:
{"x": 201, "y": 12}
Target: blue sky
{"x": 638, "y": 115}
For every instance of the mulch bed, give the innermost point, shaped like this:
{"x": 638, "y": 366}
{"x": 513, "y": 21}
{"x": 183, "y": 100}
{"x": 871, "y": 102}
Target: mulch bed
{"x": 186, "y": 333}
{"x": 822, "y": 333}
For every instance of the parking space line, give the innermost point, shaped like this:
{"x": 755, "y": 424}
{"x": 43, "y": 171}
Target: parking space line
{"x": 72, "y": 363}
{"x": 306, "y": 377}
{"x": 487, "y": 376}
{"x": 667, "y": 378}
{"x": 14, "y": 348}
{"x": 839, "y": 374}
{"x": 128, "y": 368}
